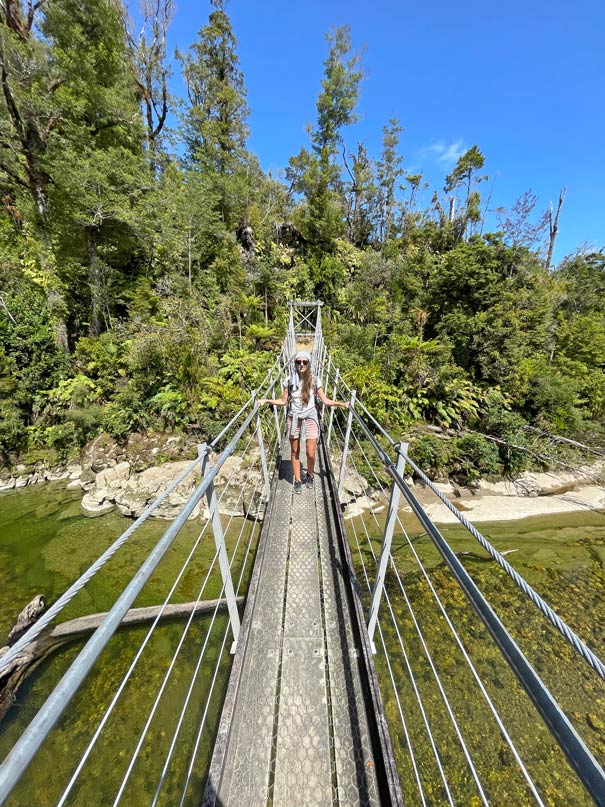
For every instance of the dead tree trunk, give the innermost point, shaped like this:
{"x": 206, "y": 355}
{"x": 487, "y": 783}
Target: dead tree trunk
{"x": 553, "y": 227}
{"x": 54, "y": 637}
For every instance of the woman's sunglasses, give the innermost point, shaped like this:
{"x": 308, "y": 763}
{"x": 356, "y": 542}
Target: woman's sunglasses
{"x": 301, "y": 361}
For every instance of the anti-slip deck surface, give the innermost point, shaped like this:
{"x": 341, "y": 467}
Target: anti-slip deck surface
{"x": 294, "y": 729}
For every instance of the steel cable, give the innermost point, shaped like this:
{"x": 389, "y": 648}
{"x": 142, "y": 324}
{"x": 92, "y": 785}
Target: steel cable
{"x": 495, "y": 713}
{"x": 573, "y": 639}
{"x": 168, "y": 675}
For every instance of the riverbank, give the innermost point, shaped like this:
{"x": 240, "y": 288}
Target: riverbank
{"x": 537, "y": 494}
{"x": 128, "y": 479}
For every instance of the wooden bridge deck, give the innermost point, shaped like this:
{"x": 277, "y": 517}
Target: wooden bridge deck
{"x": 303, "y": 722}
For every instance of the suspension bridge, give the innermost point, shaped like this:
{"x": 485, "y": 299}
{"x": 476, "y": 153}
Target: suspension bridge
{"x": 336, "y": 694}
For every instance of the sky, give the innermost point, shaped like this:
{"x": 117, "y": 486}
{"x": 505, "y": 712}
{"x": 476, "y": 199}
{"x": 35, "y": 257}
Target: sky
{"x": 522, "y": 80}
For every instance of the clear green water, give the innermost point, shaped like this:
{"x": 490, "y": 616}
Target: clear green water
{"x": 45, "y": 543}
{"x": 563, "y": 558}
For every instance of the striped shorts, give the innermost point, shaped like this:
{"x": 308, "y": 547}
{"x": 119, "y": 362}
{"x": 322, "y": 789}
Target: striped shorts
{"x": 311, "y": 429}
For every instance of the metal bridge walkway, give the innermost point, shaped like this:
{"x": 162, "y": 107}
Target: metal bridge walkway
{"x": 302, "y": 722}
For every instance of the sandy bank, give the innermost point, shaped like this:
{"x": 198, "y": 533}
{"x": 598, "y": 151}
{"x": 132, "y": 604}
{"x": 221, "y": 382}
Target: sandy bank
{"x": 531, "y": 495}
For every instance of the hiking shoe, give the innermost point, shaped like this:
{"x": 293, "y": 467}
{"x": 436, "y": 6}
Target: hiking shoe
{"x": 298, "y": 487}
{"x": 309, "y": 481}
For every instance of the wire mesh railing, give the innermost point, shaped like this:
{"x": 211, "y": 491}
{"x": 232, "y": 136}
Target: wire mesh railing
{"x": 229, "y": 485}
{"x": 430, "y": 642}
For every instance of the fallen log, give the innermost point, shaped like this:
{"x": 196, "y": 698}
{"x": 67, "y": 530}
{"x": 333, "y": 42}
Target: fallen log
{"x": 55, "y": 636}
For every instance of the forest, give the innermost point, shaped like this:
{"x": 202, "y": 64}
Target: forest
{"x": 146, "y": 259}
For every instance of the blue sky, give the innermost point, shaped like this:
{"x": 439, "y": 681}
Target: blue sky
{"x": 522, "y": 80}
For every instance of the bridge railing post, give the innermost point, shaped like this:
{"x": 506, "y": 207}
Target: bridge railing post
{"x": 334, "y": 391}
{"x": 325, "y": 373}
{"x": 274, "y": 392}
{"x": 219, "y": 541}
{"x": 387, "y": 540}
{"x": 261, "y": 447}
{"x": 345, "y": 448}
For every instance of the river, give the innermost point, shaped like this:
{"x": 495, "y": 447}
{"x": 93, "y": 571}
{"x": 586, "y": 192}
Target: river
{"x": 46, "y": 542}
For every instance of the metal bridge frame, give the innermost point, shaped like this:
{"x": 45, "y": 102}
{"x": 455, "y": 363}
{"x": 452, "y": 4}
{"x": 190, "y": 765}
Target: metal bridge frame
{"x": 305, "y": 320}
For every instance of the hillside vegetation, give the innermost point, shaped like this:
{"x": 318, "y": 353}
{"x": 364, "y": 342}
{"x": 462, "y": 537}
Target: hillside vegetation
{"x": 145, "y": 267}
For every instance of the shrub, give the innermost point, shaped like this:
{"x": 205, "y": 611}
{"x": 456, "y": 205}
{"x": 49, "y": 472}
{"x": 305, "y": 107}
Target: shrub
{"x": 431, "y": 454}
{"x": 475, "y": 457}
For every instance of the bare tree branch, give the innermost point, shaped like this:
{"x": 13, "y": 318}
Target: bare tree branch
{"x": 553, "y": 227}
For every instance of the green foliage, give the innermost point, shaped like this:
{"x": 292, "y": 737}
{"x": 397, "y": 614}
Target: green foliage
{"x": 431, "y": 454}
{"x": 169, "y": 406}
{"x": 475, "y": 456}
{"x": 141, "y": 291}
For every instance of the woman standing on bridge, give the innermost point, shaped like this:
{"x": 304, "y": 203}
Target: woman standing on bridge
{"x": 301, "y": 394}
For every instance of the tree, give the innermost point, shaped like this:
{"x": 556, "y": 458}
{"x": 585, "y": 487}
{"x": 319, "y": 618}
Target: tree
{"x": 361, "y": 198}
{"x": 97, "y": 156}
{"x": 517, "y": 224}
{"x": 465, "y": 176}
{"x": 148, "y": 53}
{"x": 553, "y": 227}
{"x": 215, "y": 127}
{"x": 29, "y": 118}
{"x": 389, "y": 169}
{"x": 316, "y": 173}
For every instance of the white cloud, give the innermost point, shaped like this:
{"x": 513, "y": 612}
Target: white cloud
{"x": 446, "y": 154}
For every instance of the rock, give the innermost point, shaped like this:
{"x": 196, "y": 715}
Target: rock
{"x": 21, "y": 481}
{"x": 21, "y": 468}
{"x": 231, "y": 466}
{"x": 113, "y": 477}
{"x": 94, "y": 508}
{"x": 8, "y": 484}
{"x": 73, "y": 485}
{"x": 141, "y": 489}
{"x": 55, "y": 476}
{"x": 359, "y": 506}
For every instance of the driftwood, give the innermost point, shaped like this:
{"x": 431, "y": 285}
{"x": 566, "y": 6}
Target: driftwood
{"x": 55, "y": 636}
{"x": 555, "y": 439}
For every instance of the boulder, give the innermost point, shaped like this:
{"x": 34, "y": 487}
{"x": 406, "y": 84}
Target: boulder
{"x": 8, "y": 484}
{"x": 92, "y": 507}
{"x": 141, "y": 489}
{"x": 21, "y": 481}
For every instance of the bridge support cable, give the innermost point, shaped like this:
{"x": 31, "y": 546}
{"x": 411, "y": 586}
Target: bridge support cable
{"x": 345, "y": 447}
{"x": 169, "y": 670}
{"x": 412, "y": 678}
{"x": 215, "y": 672}
{"x": 214, "y": 677}
{"x": 214, "y": 516}
{"x": 591, "y": 778}
{"x": 573, "y": 639}
{"x": 385, "y": 550}
{"x": 331, "y": 422}
{"x": 34, "y": 735}
{"x": 151, "y": 630}
{"x": 48, "y": 616}
{"x": 574, "y": 748}
{"x": 506, "y": 736}
{"x": 409, "y": 742}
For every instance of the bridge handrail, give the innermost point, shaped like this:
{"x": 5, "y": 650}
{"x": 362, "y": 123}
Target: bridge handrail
{"x": 564, "y": 629}
{"x": 48, "y": 616}
{"x": 34, "y": 735}
{"x": 574, "y": 748}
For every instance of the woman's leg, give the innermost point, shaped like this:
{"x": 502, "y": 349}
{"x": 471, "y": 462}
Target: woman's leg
{"x": 295, "y": 453}
{"x": 311, "y": 451}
